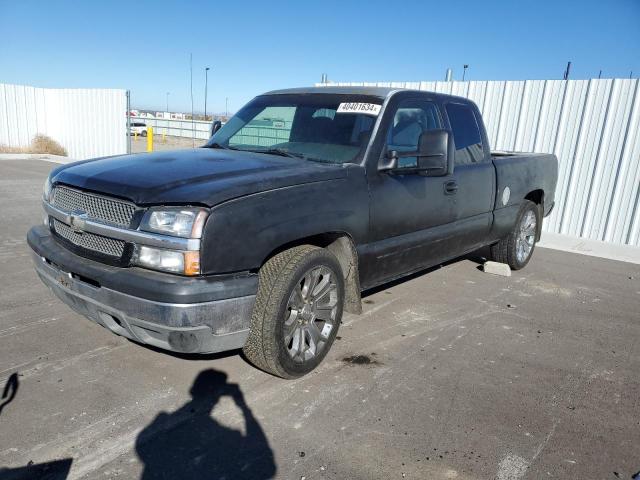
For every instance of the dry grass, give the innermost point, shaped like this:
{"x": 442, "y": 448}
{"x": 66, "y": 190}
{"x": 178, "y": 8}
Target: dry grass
{"x": 39, "y": 144}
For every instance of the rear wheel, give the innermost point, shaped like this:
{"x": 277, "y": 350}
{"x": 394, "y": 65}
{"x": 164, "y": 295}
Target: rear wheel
{"x": 144, "y": 133}
{"x": 297, "y": 312}
{"x": 517, "y": 248}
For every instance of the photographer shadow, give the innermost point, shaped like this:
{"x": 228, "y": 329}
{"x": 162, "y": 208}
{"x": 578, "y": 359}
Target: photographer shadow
{"x": 190, "y": 444}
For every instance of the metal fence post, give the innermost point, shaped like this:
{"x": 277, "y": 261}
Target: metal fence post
{"x": 128, "y": 121}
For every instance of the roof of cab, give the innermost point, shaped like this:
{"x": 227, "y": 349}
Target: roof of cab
{"x": 381, "y": 92}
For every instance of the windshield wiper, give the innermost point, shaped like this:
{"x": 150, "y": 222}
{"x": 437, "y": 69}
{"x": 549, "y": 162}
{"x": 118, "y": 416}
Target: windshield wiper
{"x": 217, "y": 145}
{"x": 279, "y": 151}
{"x": 223, "y": 147}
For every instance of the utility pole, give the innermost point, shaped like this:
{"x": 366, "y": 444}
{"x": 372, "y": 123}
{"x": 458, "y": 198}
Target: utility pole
{"x": 193, "y": 125}
{"x": 567, "y": 71}
{"x": 206, "y": 78}
{"x": 226, "y": 107}
{"x": 464, "y": 71}
{"x": 600, "y": 74}
{"x": 167, "y": 102}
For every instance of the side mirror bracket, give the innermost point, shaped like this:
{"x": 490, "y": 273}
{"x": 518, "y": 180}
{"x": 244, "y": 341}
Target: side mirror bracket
{"x": 390, "y": 161}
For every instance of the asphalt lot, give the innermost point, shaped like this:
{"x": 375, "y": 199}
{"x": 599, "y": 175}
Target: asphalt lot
{"x": 450, "y": 374}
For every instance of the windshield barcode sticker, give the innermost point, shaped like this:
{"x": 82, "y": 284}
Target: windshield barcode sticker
{"x": 366, "y": 108}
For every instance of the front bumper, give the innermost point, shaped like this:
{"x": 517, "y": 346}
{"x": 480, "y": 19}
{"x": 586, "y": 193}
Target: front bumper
{"x": 215, "y": 318}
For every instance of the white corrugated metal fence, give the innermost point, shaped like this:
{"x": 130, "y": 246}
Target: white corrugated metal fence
{"x": 593, "y": 126}
{"x": 86, "y": 122}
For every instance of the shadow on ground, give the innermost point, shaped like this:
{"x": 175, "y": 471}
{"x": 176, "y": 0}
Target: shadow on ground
{"x": 190, "y": 444}
{"x": 9, "y": 391}
{"x": 55, "y": 470}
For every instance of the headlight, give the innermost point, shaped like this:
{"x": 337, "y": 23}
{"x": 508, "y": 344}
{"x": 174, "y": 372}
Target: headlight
{"x": 175, "y": 221}
{"x": 174, "y": 261}
{"x": 46, "y": 190}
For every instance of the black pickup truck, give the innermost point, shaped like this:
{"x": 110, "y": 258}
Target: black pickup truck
{"x": 261, "y": 238}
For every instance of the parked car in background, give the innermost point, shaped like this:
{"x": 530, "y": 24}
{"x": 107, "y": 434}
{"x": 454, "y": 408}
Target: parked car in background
{"x": 306, "y": 197}
{"x": 139, "y": 128}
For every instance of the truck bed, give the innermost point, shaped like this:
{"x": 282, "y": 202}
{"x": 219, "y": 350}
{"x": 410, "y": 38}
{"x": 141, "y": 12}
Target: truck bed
{"x": 517, "y": 175}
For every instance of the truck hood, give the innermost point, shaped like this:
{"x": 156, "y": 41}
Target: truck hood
{"x": 196, "y": 176}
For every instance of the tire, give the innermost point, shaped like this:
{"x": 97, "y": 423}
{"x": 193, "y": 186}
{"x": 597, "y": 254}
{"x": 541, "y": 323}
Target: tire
{"x": 144, "y": 133}
{"x": 511, "y": 249}
{"x": 289, "y": 336}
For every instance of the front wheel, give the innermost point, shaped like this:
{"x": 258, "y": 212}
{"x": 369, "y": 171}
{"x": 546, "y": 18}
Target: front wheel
{"x": 297, "y": 312}
{"x": 517, "y": 248}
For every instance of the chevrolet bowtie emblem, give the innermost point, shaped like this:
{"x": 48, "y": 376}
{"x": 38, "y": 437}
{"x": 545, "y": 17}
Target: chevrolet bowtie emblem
{"x": 77, "y": 221}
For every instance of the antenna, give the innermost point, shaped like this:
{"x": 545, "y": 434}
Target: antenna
{"x": 206, "y": 83}
{"x": 193, "y": 125}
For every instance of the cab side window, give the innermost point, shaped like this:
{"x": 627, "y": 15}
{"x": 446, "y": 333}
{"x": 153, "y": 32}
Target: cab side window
{"x": 466, "y": 134}
{"x": 411, "y": 119}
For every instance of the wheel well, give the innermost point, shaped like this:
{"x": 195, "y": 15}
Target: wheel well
{"x": 343, "y": 247}
{"x": 536, "y": 196}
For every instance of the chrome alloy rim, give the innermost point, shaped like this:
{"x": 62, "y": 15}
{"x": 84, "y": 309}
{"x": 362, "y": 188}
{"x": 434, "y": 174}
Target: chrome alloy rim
{"x": 311, "y": 314}
{"x": 526, "y": 236}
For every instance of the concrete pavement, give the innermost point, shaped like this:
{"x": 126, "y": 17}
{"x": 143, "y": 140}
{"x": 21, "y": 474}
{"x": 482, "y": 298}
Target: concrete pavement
{"x": 452, "y": 373}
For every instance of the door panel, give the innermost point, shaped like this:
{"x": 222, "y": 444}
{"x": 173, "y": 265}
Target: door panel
{"x": 474, "y": 200}
{"x": 474, "y": 174}
{"x": 409, "y": 213}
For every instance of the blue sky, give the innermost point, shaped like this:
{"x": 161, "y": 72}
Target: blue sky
{"x": 254, "y": 46}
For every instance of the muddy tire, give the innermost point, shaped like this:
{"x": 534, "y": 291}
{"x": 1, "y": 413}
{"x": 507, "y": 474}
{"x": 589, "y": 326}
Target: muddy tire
{"x": 517, "y": 248}
{"x": 297, "y": 312}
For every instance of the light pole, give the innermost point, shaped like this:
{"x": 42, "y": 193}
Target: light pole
{"x": 226, "y": 107}
{"x": 206, "y": 78}
{"x": 464, "y": 71}
{"x": 167, "y": 102}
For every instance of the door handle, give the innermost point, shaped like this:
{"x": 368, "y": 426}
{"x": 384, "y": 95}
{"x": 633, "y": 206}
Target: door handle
{"x": 450, "y": 188}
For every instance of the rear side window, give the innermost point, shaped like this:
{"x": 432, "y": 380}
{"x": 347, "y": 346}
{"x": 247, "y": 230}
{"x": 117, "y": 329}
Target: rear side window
{"x": 466, "y": 134}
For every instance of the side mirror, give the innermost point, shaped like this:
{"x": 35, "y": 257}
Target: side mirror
{"x": 435, "y": 150}
{"x": 215, "y": 126}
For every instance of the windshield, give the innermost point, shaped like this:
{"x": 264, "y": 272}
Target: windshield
{"x": 318, "y": 127}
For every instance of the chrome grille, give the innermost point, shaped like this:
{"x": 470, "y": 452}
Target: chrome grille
{"x": 97, "y": 207}
{"x": 90, "y": 241}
